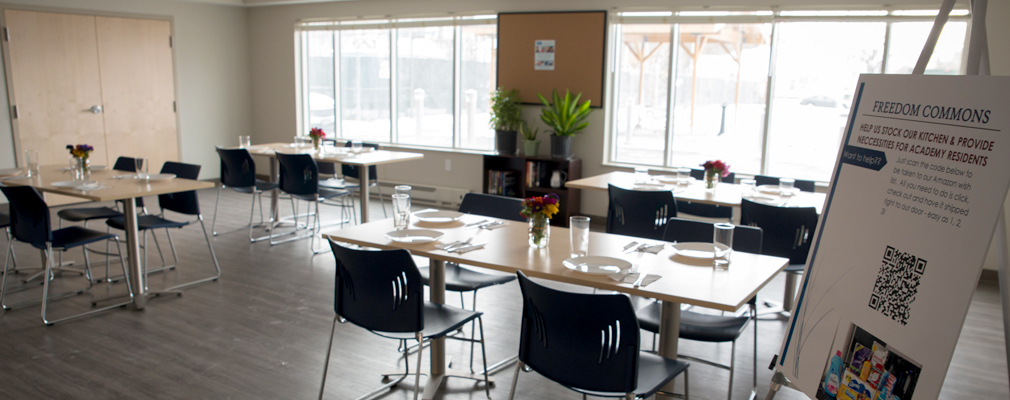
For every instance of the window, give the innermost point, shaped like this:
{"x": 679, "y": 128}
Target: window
{"x": 768, "y": 94}
{"x": 423, "y": 82}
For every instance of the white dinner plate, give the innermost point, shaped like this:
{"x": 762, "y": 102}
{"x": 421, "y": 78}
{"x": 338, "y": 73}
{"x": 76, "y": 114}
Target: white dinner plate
{"x": 77, "y": 185}
{"x": 161, "y": 177}
{"x": 597, "y": 265}
{"x": 672, "y": 179}
{"x": 414, "y": 235}
{"x": 774, "y": 189}
{"x": 651, "y": 187}
{"x": 438, "y": 216}
{"x": 698, "y": 250}
{"x": 97, "y": 167}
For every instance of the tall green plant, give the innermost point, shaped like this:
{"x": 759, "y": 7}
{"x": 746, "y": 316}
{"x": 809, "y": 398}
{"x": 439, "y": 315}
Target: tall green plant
{"x": 505, "y": 110}
{"x": 564, "y": 114}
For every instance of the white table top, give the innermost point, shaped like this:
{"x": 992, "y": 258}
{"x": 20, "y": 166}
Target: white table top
{"x": 109, "y": 188}
{"x": 725, "y": 194}
{"x": 683, "y": 280}
{"x": 341, "y": 155}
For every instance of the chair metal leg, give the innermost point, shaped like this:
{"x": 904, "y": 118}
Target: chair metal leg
{"x": 515, "y": 378}
{"x": 213, "y": 222}
{"x": 420, "y": 355}
{"x": 483, "y": 357}
{"x": 45, "y": 291}
{"x": 213, "y": 256}
{"x": 329, "y": 349}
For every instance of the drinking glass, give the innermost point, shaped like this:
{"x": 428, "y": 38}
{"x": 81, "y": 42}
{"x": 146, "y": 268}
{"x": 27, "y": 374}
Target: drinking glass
{"x": 683, "y": 174}
{"x": 749, "y": 185}
{"x": 32, "y": 161}
{"x": 401, "y": 211}
{"x": 641, "y": 175}
{"x": 786, "y": 186}
{"x": 578, "y": 227}
{"x": 402, "y": 189}
{"x": 355, "y": 146}
{"x": 140, "y": 163}
{"x": 722, "y": 240}
{"x": 244, "y": 142}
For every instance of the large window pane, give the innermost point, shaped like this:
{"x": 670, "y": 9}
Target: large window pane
{"x": 322, "y": 107}
{"x": 424, "y": 86}
{"x": 642, "y": 96}
{"x": 907, "y": 39}
{"x": 477, "y": 77}
{"x": 816, "y": 69}
{"x": 719, "y": 107}
{"x": 364, "y": 85}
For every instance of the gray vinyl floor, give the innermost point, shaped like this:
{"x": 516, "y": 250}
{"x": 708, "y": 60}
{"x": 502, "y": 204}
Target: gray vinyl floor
{"x": 260, "y": 332}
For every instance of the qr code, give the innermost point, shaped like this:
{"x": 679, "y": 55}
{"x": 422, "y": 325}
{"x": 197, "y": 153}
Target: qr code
{"x": 897, "y": 284}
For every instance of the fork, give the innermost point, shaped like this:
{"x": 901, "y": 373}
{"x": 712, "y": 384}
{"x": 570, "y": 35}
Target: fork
{"x": 462, "y": 244}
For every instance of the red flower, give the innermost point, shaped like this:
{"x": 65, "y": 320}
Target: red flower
{"x": 716, "y": 166}
{"x": 317, "y": 133}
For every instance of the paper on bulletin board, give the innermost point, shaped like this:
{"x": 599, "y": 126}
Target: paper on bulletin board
{"x": 921, "y": 177}
{"x": 543, "y": 55}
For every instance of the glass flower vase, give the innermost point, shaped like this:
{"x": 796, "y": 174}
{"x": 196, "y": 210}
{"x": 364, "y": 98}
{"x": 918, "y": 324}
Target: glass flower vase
{"x": 82, "y": 168}
{"x": 315, "y": 143}
{"x": 540, "y": 231}
{"x": 711, "y": 179}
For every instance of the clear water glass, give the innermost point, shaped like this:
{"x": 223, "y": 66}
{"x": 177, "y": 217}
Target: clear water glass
{"x": 641, "y": 175}
{"x": 355, "y": 146}
{"x": 244, "y": 142}
{"x": 748, "y": 187}
{"x": 140, "y": 165}
{"x": 722, "y": 239}
{"x": 578, "y": 228}
{"x": 786, "y": 186}
{"x": 683, "y": 174}
{"x": 401, "y": 211}
{"x": 32, "y": 161}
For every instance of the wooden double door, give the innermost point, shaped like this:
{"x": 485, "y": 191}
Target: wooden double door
{"x": 104, "y": 81}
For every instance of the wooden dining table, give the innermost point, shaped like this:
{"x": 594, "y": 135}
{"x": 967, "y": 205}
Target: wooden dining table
{"x": 683, "y": 279}
{"x": 111, "y": 185}
{"x": 341, "y": 155}
{"x": 724, "y": 194}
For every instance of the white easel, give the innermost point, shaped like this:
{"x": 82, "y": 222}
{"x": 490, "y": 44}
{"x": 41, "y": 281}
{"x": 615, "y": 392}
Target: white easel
{"x": 978, "y": 64}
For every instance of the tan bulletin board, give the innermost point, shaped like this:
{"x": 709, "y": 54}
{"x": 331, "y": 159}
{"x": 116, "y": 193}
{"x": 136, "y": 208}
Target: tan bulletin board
{"x": 580, "y": 40}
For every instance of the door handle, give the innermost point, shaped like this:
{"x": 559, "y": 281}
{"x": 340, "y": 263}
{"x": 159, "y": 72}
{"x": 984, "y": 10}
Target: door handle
{"x": 96, "y": 109}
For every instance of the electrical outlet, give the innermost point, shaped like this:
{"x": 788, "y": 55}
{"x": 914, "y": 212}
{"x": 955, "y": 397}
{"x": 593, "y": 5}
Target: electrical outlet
{"x": 448, "y": 165}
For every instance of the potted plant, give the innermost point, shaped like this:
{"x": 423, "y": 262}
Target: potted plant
{"x": 566, "y": 117}
{"x": 505, "y": 118}
{"x": 531, "y": 146}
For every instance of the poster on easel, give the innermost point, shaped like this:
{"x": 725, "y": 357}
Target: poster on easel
{"x": 918, "y": 186}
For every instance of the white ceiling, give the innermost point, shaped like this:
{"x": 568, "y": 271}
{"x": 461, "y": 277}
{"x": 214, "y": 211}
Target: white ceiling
{"x": 255, "y": 3}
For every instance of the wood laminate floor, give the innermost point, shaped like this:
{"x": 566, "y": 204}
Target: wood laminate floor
{"x": 260, "y": 332}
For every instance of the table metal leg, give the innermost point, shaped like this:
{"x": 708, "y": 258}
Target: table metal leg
{"x": 436, "y": 285}
{"x": 136, "y": 269}
{"x": 669, "y": 334}
{"x": 275, "y": 195}
{"x": 363, "y": 184}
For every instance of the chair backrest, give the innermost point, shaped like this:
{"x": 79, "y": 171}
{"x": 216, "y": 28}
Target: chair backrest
{"x": 299, "y": 175}
{"x": 801, "y": 184}
{"x": 585, "y": 341}
{"x": 490, "y": 205}
{"x": 238, "y": 170}
{"x": 351, "y": 171}
{"x": 378, "y": 290}
{"x": 181, "y": 202}
{"x": 5, "y": 220}
{"x": 128, "y": 164}
{"x": 639, "y": 213}
{"x": 699, "y": 174}
{"x": 29, "y": 219}
{"x": 788, "y": 231}
{"x": 745, "y": 238}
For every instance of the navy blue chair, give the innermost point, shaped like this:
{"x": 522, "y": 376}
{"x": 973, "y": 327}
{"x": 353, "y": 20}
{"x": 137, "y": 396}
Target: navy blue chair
{"x": 185, "y": 203}
{"x": 639, "y": 213}
{"x": 709, "y": 327}
{"x": 30, "y": 223}
{"x": 459, "y": 278}
{"x": 801, "y": 184}
{"x": 788, "y": 232}
{"x": 238, "y": 172}
{"x": 588, "y": 343}
{"x": 363, "y": 297}
{"x": 299, "y": 178}
{"x": 706, "y": 210}
{"x": 352, "y": 172}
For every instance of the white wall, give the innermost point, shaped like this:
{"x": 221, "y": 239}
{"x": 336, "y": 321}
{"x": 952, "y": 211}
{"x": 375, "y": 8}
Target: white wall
{"x": 211, "y": 67}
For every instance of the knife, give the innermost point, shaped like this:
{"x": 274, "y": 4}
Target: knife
{"x": 469, "y": 248}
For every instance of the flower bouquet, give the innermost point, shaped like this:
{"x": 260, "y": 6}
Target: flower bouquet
{"x": 317, "y": 136}
{"x": 712, "y": 169}
{"x": 539, "y": 210}
{"x": 81, "y": 153}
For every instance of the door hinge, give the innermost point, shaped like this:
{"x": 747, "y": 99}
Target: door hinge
{"x": 169, "y": 41}
{"x": 7, "y": 34}
{"x": 16, "y": 113}
{"x": 174, "y": 109}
